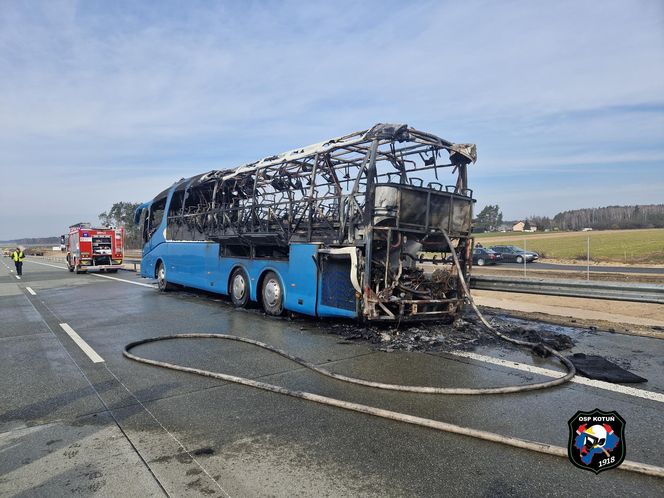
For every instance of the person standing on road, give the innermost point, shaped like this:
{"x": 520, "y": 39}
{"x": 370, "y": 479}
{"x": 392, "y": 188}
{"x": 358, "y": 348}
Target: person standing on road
{"x": 18, "y": 257}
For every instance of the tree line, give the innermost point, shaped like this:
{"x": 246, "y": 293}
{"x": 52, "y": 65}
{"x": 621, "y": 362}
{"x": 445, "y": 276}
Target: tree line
{"x": 51, "y": 241}
{"x": 121, "y": 214}
{"x": 611, "y": 217}
{"x": 603, "y": 218}
{"x": 490, "y": 218}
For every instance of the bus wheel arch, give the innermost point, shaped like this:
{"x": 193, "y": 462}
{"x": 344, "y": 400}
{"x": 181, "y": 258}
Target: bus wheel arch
{"x": 239, "y": 287}
{"x": 272, "y": 292}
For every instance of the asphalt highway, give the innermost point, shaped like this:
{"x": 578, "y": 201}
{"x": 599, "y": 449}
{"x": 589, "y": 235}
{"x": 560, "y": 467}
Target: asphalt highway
{"x": 79, "y": 419}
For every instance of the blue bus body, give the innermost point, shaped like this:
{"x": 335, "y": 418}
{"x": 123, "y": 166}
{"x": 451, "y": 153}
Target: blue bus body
{"x": 297, "y": 232}
{"x": 199, "y": 265}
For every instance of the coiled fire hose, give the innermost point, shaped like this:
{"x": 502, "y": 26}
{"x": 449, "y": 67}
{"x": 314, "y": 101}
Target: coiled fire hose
{"x": 545, "y": 448}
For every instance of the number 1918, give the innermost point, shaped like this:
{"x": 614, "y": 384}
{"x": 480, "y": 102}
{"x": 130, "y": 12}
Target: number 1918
{"x": 607, "y": 461}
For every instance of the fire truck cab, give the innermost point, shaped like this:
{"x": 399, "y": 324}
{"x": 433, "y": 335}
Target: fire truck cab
{"x": 94, "y": 249}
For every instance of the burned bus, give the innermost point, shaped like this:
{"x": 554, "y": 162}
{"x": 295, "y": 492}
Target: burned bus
{"x": 360, "y": 226}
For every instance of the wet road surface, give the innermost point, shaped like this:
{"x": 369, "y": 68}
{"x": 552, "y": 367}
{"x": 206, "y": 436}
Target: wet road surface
{"x": 70, "y": 426}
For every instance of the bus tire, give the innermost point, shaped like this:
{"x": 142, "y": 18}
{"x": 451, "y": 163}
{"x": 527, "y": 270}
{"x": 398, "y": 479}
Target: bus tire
{"x": 162, "y": 282}
{"x": 239, "y": 288}
{"x": 272, "y": 294}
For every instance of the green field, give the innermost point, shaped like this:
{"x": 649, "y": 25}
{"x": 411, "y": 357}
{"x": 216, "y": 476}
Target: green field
{"x": 619, "y": 246}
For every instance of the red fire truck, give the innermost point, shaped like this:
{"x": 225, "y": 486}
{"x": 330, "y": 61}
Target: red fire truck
{"x": 94, "y": 249}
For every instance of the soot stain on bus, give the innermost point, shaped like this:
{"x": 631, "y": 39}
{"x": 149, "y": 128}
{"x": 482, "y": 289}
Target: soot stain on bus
{"x": 335, "y": 229}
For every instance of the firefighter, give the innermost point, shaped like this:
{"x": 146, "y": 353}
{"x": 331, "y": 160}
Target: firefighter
{"x": 18, "y": 257}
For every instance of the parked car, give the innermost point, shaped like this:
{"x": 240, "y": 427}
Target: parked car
{"x": 514, "y": 254}
{"x": 483, "y": 256}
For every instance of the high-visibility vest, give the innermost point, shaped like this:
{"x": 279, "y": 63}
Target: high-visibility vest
{"x": 18, "y": 256}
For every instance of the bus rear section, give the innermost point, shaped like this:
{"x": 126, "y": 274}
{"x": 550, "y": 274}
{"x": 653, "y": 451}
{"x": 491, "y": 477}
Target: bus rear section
{"x": 361, "y": 226}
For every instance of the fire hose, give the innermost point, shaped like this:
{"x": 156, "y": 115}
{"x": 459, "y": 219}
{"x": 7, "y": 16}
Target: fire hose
{"x": 545, "y": 448}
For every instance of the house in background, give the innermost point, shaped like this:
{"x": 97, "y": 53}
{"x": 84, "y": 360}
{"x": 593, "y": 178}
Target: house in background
{"x": 523, "y": 226}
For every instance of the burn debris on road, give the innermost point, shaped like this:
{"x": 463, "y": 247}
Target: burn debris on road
{"x": 464, "y": 334}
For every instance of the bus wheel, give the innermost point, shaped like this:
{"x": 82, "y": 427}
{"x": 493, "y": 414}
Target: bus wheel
{"x": 161, "y": 278}
{"x": 239, "y": 288}
{"x": 272, "y": 294}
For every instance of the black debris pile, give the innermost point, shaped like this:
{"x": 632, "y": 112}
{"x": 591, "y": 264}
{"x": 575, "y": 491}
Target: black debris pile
{"x": 596, "y": 367}
{"x": 462, "y": 335}
{"x": 559, "y": 342}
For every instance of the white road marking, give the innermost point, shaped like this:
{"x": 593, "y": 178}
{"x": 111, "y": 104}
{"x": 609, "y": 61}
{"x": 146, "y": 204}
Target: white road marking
{"x": 630, "y": 391}
{"x": 46, "y": 264}
{"x": 152, "y": 286}
{"x": 92, "y": 354}
{"x": 29, "y": 289}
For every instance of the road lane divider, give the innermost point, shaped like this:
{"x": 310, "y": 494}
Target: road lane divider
{"x": 151, "y": 286}
{"x": 45, "y": 264}
{"x": 618, "y": 388}
{"x": 29, "y": 289}
{"x": 85, "y": 347}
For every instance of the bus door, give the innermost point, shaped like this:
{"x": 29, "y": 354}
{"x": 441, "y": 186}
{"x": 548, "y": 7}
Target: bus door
{"x": 302, "y": 279}
{"x": 338, "y": 285}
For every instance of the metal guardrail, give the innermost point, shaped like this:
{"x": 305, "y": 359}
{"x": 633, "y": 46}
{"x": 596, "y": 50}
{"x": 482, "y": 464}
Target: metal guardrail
{"x": 132, "y": 261}
{"x": 639, "y": 293}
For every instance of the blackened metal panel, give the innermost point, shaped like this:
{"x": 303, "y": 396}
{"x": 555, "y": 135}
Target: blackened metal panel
{"x": 461, "y": 216}
{"x": 413, "y": 207}
{"x": 439, "y": 211}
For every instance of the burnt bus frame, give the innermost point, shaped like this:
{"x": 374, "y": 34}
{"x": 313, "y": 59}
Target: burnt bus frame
{"x": 305, "y": 196}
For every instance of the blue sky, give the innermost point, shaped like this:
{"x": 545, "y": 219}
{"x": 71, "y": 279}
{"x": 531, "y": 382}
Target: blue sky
{"x": 108, "y": 101}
